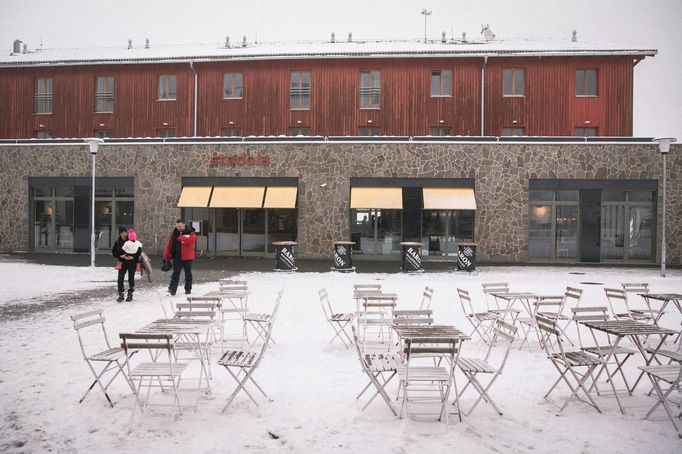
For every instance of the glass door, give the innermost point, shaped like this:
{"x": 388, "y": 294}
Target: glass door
{"x": 103, "y": 224}
{"x": 226, "y": 230}
{"x": 253, "y": 232}
{"x": 43, "y": 228}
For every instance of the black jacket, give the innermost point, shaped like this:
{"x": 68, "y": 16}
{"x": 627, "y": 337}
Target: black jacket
{"x": 117, "y": 251}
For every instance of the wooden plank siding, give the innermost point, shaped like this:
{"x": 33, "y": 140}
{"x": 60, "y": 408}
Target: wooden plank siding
{"x": 549, "y": 107}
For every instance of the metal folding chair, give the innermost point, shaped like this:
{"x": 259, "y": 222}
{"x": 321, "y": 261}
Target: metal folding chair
{"x": 566, "y": 364}
{"x": 472, "y": 367}
{"x": 413, "y": 317}
{"x": 238, "y": 362}
{"x": 113, "y": 358}
{"x": 492, "y": 301}
{"x": 426, "y": 385}
{"x": 157, "y": 373}
{"x": 376, "y": 322}
{"x": 482, "y": 322}
{"x": 259, "y": 322}
{"x": 620, "y": 307}
{"x": 546, "y": 306}
{"x": 337, "y": 321}
{"x": 632, "y": 291}
{"x": 427, "y": 296}
{"x": 601, "y": 348}
{"x": 660, "y": 377}
{"x": 376, "y": 366}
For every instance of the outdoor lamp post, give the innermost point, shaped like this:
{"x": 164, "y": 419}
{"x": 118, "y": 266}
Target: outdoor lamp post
{"x": 664, "y": 148}
{"x": 94, "y": 146}
{"x": 426, "y": 14}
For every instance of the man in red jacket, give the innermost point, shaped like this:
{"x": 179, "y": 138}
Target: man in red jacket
{"x": 180, "y": 249}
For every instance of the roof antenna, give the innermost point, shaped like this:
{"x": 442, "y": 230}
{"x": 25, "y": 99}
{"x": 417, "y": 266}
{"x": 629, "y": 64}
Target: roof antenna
{"x": 244, "y": 41}
{"x": 350, "y": 37}
{"x": 227, "y": 42}
{"x": 333, "y": 37}
{"x": 146, "y": 43}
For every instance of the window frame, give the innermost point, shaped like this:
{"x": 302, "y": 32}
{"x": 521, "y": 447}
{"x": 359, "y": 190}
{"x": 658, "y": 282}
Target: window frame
{"x": 160, "y": 85}
{"x": 300, "y": 130}
{"x": 105, "y": 95}
{"x": 442, "y": 128}
{"x": 514, "y": 94}
{"x": 596, "y": 83}
{"x": 370, "y": 91}
{"x": 370, "y": 129}
{"x": 233, "y": 76}
{"x": 38, "y": 132}
{"x": 554, "y": 255}
{"x": 440, "y": 80}
{"x": 233, "y": 128}
{"x": 166, "y": 131}
{"x": 101, "y": 133}
{"x": 46, "y": 97}
{"x": 512, "y": 128}
{"x": 583, "y": 129}
{"x": 300, "y": 91}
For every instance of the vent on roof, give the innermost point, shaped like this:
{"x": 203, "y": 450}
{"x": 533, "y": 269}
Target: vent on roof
{"x": 574, "y": 36}
{"x": 146, "y": 43}
{"x": 443, "y": 39}
{"x": 464, "y": 37}
{"x": 17, "y": 46}
{"x": 244, "y": 41}
{"x": 350, "y": 37}
{"x": 333, "y": 37}
{"x": 487, "y": 32}
{"x": 130, "y": 44}
{"x": 24, "y": 49}
{"x": 227, "y": 42}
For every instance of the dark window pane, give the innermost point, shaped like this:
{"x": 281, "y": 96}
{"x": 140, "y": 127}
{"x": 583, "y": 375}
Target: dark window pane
{"x": 580, "y": 82}
{"x": 519, "y": 82}
{"x": 566, "y": 231}
{"x": 591, "y": 87}
{"x": 63, "y": 191}
{"x": 540, "y": 232}
{"x": 42, "y": 191}
{"x": 124, "y": 191}
{"x": 567, "y": 196}
{"x": 435, "y": 83}
{"x": 537, "y": 195}
{"x": 613, "y": 196}
{"x": 238, "y": 86}
{"x": 640, "y": 196}
{"x": 103, "y": 191}
{"x": 507, "y": 82}
{"x": 641, "y": 233}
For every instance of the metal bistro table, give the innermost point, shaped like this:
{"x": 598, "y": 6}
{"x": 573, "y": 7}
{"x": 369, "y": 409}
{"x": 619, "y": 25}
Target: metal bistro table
{"x": 190, "y": 331}
{"x": 526, "y": 299}
{"x": 231, "y": 302}
{"x": 433, "y": 334}
{"x": 665, "y": 299}
{"x": 632, "y": 329}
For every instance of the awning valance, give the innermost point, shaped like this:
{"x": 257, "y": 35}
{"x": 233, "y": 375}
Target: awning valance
{"x": 387, "y": 198}
{"x": 237, "y": 197}
{"x": 449, "y": 199}
{"x": 195, "y": 197}
{"x": 280, "y": 197}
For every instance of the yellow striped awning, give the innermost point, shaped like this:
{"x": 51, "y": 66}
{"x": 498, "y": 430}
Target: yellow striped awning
{"x": 237, "y": 197}
{"x": 388, "y": 198}
{"x": 194, "y": 197}
{"x": 280, "y": 197}
{"x": 449, "y": 199}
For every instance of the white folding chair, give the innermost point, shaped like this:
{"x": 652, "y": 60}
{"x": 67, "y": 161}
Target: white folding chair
{"x": 376, "y": 322}
{"x": 620, "y": 307}
{"x": 237, "y": 362}
{"x": 472, "y": 367}
{"x": 113, "y": 358}
{"x": 660, "y": 377}
{"x": 376, "y": 366}
{"x": 157, "y": 373}
{"x": 633, "y": 290}
{"x": 600, "y": 347}
{"x": 572, "y": 296}
{"x": 423, "y": 386}
{"x": 337, "y": 321}
{"x": 259, "y": 322}
{"x": 413, "y": 317}
{"x": 567, "y": 363}
{"x": 493, "y": 302}
{"x": 427, "y": 296}
{"x": 549, "y": 306}
{"x": 482, "y": 322}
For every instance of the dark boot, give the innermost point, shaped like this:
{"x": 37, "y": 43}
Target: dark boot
{"x": 120, "y": 297}
{"x": 130, "y": 295}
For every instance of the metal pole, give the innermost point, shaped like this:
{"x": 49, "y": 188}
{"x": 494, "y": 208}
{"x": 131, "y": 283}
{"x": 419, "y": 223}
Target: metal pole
{"x": 663, "y": 252}
{"x": 425, "y": 28}
{"x": 92, "y": 212}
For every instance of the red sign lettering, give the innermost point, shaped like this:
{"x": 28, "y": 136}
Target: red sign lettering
{"x": 242, "y": 160}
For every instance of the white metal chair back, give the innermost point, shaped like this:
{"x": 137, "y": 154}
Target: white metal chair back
{"x": 427, "y": 295}
{"x": 573, "y": 296}
{"x": 465, "y": 301}
{"x": 377, "y": 318}
{"x": 494, "y": 287}
{"x": 269, "y": 327}
{"x": 588, "y": 314}
{"x": 506, "y": 333}
{"x": 367, "y": 287}
{"x": 413, "y": 317}
{"x": 86, "y": 320}
{"x": 550, "y": 305}
{"x": 618, "y": 303}
{"x": 635, "y": 287}
{"x": 551, "y": 335}
{"x": 326, "y": 304}
{"x": 196, "y": 308}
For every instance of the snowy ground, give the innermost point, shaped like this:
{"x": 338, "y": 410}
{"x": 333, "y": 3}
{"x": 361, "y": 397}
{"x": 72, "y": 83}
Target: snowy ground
{"x": 312, "y": 384}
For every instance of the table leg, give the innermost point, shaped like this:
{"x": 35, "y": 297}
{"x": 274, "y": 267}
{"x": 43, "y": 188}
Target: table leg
{"x": 605, "y": 367}
{"x": 638, "y": 343}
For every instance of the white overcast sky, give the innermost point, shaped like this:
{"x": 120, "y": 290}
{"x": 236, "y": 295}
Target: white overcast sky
{"x": 643, "y": 23}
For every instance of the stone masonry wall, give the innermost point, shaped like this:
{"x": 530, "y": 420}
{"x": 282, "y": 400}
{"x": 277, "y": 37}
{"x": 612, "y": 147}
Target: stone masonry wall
{"x": 501, "y": 172}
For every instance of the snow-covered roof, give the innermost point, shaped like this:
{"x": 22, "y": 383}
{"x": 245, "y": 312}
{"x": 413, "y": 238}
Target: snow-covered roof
{"x": 316, "y": 50}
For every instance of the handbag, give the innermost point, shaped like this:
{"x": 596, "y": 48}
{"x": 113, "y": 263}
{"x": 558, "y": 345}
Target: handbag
{"x": 119, "y": 265}
{"x": 166, "y": 265}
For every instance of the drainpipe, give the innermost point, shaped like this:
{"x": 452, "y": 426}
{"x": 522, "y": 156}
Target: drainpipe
{"x": 196, "y": 97}
{"x": 485, "y": 62}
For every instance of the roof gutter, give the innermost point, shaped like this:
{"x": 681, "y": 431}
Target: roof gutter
{"x": 196, "y": 98}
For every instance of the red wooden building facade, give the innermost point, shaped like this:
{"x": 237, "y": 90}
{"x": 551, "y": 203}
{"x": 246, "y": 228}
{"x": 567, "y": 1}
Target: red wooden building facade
{"x": 546, "y": 103}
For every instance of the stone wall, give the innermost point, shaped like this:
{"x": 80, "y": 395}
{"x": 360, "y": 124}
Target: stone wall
{"x": 501, "y": 171}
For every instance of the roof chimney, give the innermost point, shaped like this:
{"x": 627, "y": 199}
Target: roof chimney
{"x": 227, "y": 42}
{"x": 443, "y": 39}
{"x": 24, "y": 49}
{"x": 574, "y": 36}
{"x": 244, "y": 41}
{"x": 146, "y": 43}
{"x": 464, "y": 37}
{"x": 130, "y": 44}
{"x": 333, "y": 37}
{"x": 17, "y": 46}
{"x": 350, "y": 37}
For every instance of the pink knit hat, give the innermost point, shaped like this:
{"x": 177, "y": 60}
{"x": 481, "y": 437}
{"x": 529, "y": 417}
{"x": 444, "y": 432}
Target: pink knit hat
{"x": 132, "y": 236}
